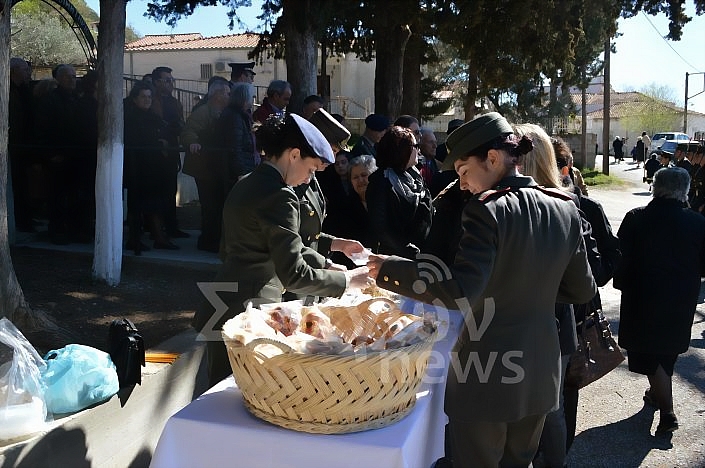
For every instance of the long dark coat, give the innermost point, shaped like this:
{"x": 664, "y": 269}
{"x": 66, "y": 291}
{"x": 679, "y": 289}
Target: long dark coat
{"x": 659, "y": 275}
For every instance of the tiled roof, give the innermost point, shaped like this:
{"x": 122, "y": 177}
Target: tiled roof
{"x": 629, "y": 108}
{"x": 193, "y": 42}
{"x": 157, "y": 39}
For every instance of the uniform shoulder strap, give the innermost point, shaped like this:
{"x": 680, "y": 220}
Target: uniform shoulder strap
{"x": 493, "y": 194}
{"x": 553, "y": 192}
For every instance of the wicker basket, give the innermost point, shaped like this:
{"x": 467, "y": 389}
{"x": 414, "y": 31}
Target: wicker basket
{"x": 330, "y": 394}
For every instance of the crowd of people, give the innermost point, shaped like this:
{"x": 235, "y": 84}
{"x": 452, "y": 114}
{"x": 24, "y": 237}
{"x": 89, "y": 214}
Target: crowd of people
{"x": 286, "y": 203}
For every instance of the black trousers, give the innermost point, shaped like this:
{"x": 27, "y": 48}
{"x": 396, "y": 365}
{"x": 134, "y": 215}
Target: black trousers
{"x": 211, "y": 195}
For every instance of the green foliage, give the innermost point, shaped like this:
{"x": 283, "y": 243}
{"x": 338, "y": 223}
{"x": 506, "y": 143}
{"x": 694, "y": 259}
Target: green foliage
{"x": 593, "y": 178}
{"x": 656, "y": 112}
{"x": 44, "y": 41}
{"x": 41, "y": 32}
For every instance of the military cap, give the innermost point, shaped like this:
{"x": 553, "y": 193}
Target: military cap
{"x": 331, "y": 129}
{"x": 682, "y": 147}
{"x": 243, "y": 66}
{"x": 377, "y": 122}
{"x": 315, "y": 139}
{"x": 471, "y": 135}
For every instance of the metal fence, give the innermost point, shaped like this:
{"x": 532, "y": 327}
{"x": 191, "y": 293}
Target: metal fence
{"x": 189, "y": 92}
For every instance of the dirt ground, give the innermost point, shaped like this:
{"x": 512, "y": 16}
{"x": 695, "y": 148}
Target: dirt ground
{"x": 160, "y": 299}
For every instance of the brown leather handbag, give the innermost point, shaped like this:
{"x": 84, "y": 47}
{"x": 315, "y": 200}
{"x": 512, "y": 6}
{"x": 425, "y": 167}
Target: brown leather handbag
{"x": 597, "y": 355}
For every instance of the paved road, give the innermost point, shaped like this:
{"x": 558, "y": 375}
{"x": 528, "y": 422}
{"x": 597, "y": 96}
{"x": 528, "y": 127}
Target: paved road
{"x": 615, "y": 429}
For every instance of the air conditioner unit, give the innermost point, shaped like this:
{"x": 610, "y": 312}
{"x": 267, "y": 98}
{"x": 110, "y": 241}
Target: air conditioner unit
{"x": 220, "y": 66}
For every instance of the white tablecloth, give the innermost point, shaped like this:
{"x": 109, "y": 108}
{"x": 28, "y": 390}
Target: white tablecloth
{"x": 216, "y": 430}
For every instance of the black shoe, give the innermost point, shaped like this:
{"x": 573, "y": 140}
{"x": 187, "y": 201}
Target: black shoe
{"x": 168, "y": 245}
{"x": 649, "y": 400}
{"x": 208, "y": 247}
{"x": 178, "y": 234}
{"x": 667, "y": 424}
{"x": 137, "y": 247}
{"x": 60, "y": 239}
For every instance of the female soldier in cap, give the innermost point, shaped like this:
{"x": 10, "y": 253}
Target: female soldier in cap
{"x": 261, "y": 250}
{"x": 505, "y": 368}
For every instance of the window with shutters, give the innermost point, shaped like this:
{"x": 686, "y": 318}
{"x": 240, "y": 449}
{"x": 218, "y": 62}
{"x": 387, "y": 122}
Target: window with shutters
{"x": 206, "y": 71}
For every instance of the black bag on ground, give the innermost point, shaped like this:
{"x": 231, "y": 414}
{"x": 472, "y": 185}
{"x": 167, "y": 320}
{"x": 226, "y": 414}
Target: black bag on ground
{"x": 126, "y": 349}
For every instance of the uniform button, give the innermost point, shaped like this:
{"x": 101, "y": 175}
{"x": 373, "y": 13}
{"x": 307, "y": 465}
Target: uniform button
{"x": 311, "y": 213}
{"x": 396, "y": 283}
{"x": 386, "y": 278}
{"x": 308, "y": 238}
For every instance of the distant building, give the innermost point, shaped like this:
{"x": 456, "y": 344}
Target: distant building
{"x": 194, "y": 59}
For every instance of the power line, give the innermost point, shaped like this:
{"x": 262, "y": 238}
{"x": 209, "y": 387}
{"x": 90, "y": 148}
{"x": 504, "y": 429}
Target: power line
{"x": 668, "y": 43}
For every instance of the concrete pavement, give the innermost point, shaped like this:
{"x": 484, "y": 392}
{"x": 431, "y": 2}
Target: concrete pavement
{"x": 615, "y": 428}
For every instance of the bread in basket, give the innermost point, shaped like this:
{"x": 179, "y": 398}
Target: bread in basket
{"x": 331, "y": 394}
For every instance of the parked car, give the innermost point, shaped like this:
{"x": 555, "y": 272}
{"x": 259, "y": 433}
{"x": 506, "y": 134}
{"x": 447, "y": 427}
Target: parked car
{"x": 659, "y": 138}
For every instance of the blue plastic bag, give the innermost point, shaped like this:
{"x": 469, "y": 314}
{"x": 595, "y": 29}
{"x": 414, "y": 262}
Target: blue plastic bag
{"x": 77, "y": 376}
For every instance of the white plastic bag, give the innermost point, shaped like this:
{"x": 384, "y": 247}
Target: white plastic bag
{"x": 22, "y": 408}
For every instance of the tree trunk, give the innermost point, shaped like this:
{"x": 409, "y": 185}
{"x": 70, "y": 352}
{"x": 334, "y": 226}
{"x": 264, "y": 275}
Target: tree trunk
{"x": 411, "y": 76}
{"x": 12, "y": 302}
{"x": 390, "y": 44}
{"x": 583, "y": 130}
{"x": 107, "y": 261}
{"x": 471, "y": 96}
{"x": 301, "y": 51}
{"x": 325, "y": 89}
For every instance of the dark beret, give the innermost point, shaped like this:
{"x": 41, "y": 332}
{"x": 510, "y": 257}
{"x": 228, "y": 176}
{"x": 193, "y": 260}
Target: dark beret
{"x": 331, "y": 129}
{"x": 377, "y": 122}
{"x": 471, "y": 135}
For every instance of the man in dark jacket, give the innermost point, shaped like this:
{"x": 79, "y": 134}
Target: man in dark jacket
{"x": 655, "y": 323}
{"x": 19, "y": 138}
{"x": 171, "y": 112}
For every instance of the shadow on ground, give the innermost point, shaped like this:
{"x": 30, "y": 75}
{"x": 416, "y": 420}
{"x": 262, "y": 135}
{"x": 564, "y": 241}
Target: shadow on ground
{"x": 629, "y": 442}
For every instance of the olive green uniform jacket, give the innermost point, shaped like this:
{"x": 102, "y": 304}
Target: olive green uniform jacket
{"x": 262, "y": 252}
{"x": 521, "y": 251}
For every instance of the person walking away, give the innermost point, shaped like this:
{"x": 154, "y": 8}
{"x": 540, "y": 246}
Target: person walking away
{"x": 646, "y": 139}
{"x": 655, "y": 325}
{"x": 639, "y": 151}
{"x": 618, "y": 147}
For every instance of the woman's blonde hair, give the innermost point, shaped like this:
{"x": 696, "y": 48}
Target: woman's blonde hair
{"x": 539, "y": 163}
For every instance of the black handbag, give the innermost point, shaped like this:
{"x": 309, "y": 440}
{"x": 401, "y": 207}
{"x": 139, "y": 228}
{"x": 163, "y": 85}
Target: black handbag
{"x": 126, "y": 349}
{"x": 597, "y": 355}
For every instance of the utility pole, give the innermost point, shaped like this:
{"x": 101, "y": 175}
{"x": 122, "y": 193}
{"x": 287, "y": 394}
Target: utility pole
{"x": 685, "y": 106}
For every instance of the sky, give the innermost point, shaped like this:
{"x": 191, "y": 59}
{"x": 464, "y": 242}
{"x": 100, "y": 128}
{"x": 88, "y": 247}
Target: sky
{"x": 642, "y": 56}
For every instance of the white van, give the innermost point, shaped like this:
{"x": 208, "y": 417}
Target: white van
{"x": 658, "y": 139}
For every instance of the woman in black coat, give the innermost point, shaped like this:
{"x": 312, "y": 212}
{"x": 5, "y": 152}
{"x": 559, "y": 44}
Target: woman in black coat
{"x": 661, "y": 242}
{"x": 639, "y": 151}
{"x": 398, "y": 201}
{"x": 146, "y": 164}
